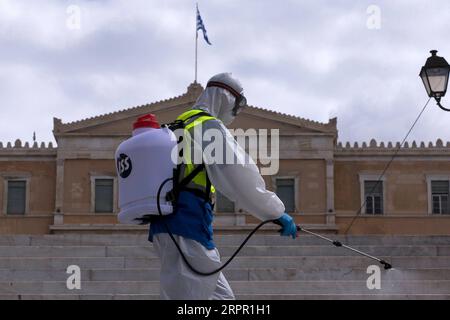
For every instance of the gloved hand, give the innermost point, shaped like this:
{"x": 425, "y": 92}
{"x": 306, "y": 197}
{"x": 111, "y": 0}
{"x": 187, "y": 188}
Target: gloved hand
{"x": 288, "y": 224}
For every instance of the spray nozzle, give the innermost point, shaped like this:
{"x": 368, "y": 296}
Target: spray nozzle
{"x": 337, "y": 243}
{"x": 387, "y": 266}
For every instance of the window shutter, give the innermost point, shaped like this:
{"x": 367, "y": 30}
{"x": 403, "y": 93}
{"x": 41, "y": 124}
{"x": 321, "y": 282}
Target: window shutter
{"x": 436, "y": 204}
{"x": 286, "y": 193}
{"x": 378, "y": 205}
{"x": 445, "y": 205}
{"x": 439, "y": 187}
{"x": 369, "y": 205}
{"x": 223, "y": 203}
{"x": 373, "y": 193}
{"x": 16, "y": 201}
{"x": 104, "y": 195}
{"x": 371, "y": 187}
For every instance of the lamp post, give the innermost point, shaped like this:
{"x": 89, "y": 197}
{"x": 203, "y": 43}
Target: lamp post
{"x": 434, "y": 75}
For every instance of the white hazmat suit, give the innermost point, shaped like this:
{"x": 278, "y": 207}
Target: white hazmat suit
{"x": 241, "y": 183}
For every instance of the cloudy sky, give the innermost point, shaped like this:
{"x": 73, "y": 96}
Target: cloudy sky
{"x": 355, "y": 60}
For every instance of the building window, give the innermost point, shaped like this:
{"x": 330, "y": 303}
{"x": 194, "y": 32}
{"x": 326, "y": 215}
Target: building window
{"x": 223, "y": 204}
{"x": 285, "y": 189}
{"x": 373, "y": 195}
{"x": 104, "y": 195}
{"x": 439, "y": 197}
{"x": 16, "y": 196}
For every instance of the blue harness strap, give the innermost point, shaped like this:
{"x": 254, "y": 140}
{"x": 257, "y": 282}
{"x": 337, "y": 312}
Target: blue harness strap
{"x": 192, "y": 219}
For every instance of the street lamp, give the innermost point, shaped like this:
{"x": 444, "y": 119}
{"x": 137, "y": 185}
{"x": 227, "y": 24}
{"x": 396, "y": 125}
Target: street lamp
{"x": 434, "y": 75}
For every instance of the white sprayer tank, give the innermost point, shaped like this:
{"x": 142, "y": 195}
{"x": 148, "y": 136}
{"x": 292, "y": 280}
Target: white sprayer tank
{"x": 143, "y": 162}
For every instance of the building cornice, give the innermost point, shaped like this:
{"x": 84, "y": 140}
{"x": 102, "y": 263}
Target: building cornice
{"x": 19, "y": 152}
{"x": 330, "y": 127}
{"x": 373, "y": 149}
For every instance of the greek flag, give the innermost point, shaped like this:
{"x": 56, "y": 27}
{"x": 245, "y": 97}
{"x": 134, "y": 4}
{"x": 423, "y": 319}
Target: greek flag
{"x": 201, "y": 26}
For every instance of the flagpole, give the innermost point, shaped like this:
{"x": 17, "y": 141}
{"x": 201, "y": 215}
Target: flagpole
{"x": 196, "y": 40}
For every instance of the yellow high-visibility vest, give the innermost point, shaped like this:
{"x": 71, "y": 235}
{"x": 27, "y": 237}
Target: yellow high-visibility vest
{"x": 200, "y": 180}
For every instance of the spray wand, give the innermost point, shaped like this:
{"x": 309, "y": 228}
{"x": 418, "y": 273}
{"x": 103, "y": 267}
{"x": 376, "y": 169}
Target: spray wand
{"x": 336, "y": 243}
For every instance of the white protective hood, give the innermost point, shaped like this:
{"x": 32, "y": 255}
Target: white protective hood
{"x": 240, "y": 182}
{"x": 217, "y": 102}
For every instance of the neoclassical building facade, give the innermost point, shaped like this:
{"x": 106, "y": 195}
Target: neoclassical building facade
{"x": 72, "y": 187}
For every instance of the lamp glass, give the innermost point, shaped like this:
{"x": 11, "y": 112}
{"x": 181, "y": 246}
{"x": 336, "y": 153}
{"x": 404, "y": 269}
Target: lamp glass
{"x": 424, "y": 77}
{"x": 437, "y": 80}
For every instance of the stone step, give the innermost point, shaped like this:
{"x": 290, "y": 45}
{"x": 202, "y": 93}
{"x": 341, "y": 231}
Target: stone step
{"x": 221, "y": 240}
{"x": 79, "y": 296}
{"x": 325, "y": 296}
{"x": 312, "y": 262}
{"x": 340, "y": 287}
{"x": 314, "y": 250}
{"x": 50, "y": 263}
{"x": 239, "y": 287}
{"x": 339, "y": 274}
{"x": 124, "y": 266}
{"x": 307, "y": 240}
{"x": 223, "y": 224}
{"x": 88, "y": 287}
{"x": 305, "y": 262}
{"x": 244, "y": 274}
{"x": 249, "y": 250}
{"x": 238, "y": 297}
{"x": 55, "y": 251}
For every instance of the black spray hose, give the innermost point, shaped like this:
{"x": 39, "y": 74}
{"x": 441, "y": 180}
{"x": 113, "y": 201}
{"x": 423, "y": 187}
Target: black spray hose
{"x": 334, "y": 242}
{"x": 181, "y": 251}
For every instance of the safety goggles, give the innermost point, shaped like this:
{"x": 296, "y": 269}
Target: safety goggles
{"x": 240, "y": 101}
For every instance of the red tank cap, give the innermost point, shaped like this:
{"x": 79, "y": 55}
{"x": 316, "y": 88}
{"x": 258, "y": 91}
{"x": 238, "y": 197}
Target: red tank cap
{"x": 147, "y": 121}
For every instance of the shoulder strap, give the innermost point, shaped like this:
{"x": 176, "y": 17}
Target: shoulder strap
{"x": 180, "y": 122}
{"x": 192, "y": 113}
{"x": 172, "y": 195}
{"x": 191, "y": 175}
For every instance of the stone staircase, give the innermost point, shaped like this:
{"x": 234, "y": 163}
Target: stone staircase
{"x": 124, "y": 266}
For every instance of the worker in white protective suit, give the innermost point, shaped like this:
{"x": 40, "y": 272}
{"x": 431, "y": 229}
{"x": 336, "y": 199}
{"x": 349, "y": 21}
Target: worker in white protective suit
{"x": 191, "y": 222}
